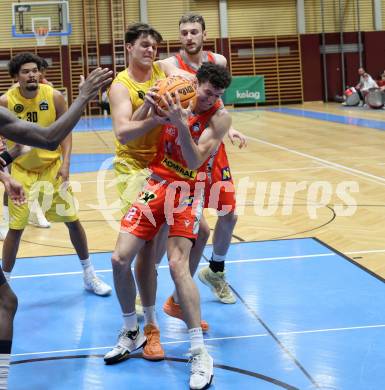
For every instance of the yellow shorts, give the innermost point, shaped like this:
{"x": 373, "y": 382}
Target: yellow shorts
{"x": 130, "y": 182}
{"x": 55, "y": 199}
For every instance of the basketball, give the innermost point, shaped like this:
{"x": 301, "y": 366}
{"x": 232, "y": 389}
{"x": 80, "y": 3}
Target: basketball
{"x": 186, "y": 89}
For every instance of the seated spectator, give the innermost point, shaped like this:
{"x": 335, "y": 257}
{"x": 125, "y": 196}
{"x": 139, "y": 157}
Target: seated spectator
{"x": 371, "y": 92}
{"x": 366, "y": 83}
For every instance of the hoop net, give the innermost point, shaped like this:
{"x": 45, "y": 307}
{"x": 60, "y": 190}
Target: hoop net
{"x": 41, "y": 34}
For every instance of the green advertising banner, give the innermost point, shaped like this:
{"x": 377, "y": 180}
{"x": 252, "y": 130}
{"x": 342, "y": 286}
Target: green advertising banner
{"x": 245, "y": 90}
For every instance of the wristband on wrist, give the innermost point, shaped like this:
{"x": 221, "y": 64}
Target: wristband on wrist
{"x": 6, "y": 157}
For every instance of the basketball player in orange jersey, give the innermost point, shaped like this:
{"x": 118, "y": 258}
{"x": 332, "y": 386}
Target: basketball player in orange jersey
{"x": 174, "y": 196}
{"x": 192, "y": 35}
{"x": 32, "y": 134}
{"x": 137, "y": 136}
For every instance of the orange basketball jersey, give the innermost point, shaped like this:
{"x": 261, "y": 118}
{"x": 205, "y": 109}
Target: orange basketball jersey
{"x": 182, "y": 63}
{"x": 169, "y": 163}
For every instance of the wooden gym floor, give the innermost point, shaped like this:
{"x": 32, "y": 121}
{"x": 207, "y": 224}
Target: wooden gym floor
{"x": 323, "y": 148}
{"x": 308, "y": 317}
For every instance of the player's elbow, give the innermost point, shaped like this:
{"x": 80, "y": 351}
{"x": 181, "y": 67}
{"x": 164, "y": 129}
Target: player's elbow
{"x": 121, "y": 139}
{"x": 52, "y": 144}
{"x": 121, "y": 136}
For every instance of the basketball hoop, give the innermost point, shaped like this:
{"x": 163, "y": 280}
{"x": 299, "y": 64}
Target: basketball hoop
{"x": 41, "y": 34}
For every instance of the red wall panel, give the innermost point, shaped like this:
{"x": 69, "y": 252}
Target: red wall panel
{"x": 311, "y": 67}
{"x": 374, "y": 42}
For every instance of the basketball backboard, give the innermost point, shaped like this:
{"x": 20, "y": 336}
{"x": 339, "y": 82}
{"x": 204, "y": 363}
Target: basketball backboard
{"x": 30, "y": 17}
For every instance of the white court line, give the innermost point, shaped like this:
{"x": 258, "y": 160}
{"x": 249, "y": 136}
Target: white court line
{"x": 353, "y": 174}
{"x": 377, "y": 179}
{"x": 166, "y": 266}
{"x": 203, "y": 264}
{"x": 334, "y": 165}
{"x": 280, "y": 170}
{"x": 280, "y": 258}
{"x": 237, "y": 172}
{"x": 214, "y": 339}
{"x": 363, "y": 252}
{"x": 54, "y": 274}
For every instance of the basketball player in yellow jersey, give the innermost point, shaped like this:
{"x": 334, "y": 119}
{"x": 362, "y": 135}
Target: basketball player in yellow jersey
{"x": 36, "y": 218}
{"x": 31, "y": 134}
{"x": 41, "y": 104}
{"x": 133, "y": 154}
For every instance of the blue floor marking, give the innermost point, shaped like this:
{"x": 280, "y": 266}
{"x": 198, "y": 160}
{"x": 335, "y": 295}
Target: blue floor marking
{"x": 346, "y": 120}
{"x": 105, "y": 124}
{"x": 93, "y": 124}
{"x": 88, "y": 162}
{"x": 292, "y": 296}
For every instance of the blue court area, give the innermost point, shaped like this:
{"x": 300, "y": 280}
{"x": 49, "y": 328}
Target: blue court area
{"x": 306, "y": 318}
{"x": 90, "y": 162}
{"x": 93, "y": 123}
{"x": 343, "y": 119}
{"x": 103, "y": 124}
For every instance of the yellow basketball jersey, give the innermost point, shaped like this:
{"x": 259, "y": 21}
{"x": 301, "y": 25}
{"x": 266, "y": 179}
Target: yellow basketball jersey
{"x": 40, "y": 110}
{"x": 140, "y": 151}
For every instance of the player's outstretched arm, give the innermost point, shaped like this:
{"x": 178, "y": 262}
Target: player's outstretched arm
{"x": 170, "y": 69}
{"x": 49, "y": 138}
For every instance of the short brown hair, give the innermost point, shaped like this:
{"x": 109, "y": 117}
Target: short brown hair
{"x": 217, "y": 75}
{"x": 136, "y": 30}
{"x": 193, "y": 18}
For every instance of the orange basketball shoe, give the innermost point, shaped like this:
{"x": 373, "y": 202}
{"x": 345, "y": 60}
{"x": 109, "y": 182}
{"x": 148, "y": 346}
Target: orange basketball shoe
{"x": 173, "y": 310}
{"x": 153, "y": 349}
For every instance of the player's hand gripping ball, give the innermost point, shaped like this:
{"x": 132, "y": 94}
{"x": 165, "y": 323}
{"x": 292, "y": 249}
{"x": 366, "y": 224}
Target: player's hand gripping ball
{"x": 186, "y": 89}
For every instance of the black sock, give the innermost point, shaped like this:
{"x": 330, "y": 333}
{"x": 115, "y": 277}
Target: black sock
{"x": 217, "y": 266}
{"x": 5, "y": 346}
